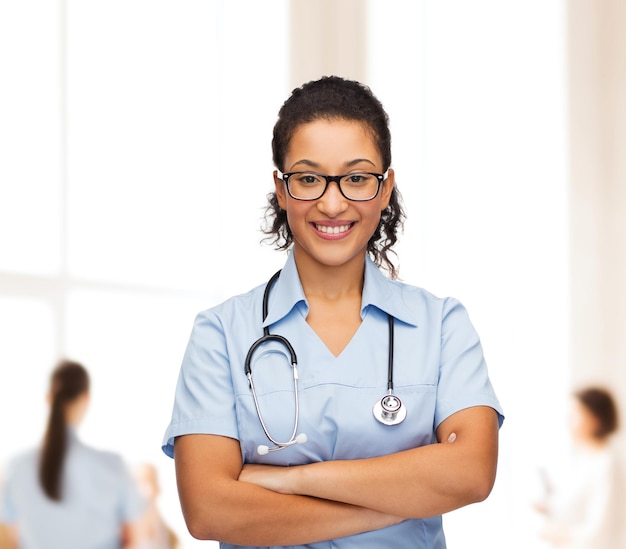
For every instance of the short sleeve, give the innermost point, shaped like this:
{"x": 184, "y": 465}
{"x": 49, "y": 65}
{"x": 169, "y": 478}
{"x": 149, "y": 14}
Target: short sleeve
{"x": 463, "y": 376}
{"x": 204, "y": 400}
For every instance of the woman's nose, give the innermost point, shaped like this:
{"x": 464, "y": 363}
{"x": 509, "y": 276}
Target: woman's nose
{"x": 332, "y": 202}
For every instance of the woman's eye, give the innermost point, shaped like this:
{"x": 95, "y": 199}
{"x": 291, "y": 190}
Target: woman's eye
{"x": 359, "y": 179}
{"x": 308, "y": 179}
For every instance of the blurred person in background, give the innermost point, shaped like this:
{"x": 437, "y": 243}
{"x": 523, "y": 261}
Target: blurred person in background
{"x": 152, "y": 530}
{"x": 66, "y": 495}
{"x": 583, "y": 503}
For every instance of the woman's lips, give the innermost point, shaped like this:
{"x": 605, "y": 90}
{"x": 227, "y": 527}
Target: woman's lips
{"x": 335, "y": 230}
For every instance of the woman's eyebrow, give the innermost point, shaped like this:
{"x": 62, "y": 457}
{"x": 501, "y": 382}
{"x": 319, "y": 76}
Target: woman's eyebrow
{"x": 358, "y": 161}
{"x": 306, "y": 162}
{"x": 315, "y": 165}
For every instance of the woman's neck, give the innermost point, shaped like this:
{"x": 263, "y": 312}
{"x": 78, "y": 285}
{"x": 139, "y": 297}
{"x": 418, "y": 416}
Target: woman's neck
{"x": 75, "y": 411}
{"x": 330, "y": 282}
{"x": 592, "y": 443}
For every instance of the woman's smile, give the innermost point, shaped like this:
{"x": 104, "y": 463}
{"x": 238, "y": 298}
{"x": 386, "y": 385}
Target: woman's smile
{"x": 333, "y": 230}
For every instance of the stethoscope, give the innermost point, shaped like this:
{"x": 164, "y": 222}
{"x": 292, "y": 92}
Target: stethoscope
{"x": 389, "y": 410}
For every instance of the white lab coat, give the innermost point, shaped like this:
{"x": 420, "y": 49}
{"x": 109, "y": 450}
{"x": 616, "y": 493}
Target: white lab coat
{"x": 585, "y": 506}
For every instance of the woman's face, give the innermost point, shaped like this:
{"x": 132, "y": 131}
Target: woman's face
{"x": 583, "y": 423}
{"x": 332, "y": 230}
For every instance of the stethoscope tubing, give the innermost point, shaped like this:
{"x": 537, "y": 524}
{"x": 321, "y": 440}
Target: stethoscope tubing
{"x": 389, "y": 410}
{"x": 294, "y": 365}
{"x": 279, "y": 445}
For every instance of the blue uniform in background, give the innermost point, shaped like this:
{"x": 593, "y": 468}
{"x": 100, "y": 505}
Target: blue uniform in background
{"x": 439, "y": 369}
{"x": 98, "y": 497}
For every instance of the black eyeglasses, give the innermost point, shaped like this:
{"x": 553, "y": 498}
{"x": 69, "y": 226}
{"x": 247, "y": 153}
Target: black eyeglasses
{"x": 356, "y": 186}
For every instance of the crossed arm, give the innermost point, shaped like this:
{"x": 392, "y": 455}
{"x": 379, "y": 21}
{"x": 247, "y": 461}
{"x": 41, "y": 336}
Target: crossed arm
{"x": 267, "y": 505}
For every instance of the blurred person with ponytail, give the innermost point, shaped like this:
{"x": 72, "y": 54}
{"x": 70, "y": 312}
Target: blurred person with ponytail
{"x": 66, "y": 495}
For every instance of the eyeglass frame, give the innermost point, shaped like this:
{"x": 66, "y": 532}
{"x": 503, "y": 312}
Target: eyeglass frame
{"x": 381, "y": 177}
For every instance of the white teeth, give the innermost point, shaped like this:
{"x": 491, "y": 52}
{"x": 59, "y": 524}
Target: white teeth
{"x": 332, "y": 230}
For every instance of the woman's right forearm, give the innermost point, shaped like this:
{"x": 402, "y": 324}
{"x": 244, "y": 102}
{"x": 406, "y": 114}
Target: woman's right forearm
{"x": 250, "y": 515}
{"x": 217, "y": 506}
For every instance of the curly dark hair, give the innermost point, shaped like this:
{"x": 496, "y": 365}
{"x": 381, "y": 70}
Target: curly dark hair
{"x": 336, "y": 98}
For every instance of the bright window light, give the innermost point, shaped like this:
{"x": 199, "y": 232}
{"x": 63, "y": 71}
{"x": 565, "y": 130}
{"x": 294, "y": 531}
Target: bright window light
{"x": 30, "y": 138}
{"x": 479, "y": 134}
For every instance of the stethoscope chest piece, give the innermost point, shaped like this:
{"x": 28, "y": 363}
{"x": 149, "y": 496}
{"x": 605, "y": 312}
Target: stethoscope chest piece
{"x": 389, "y": 410}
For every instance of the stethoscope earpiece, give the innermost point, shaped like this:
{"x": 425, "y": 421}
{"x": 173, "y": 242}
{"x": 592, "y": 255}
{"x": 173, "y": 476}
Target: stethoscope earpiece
{"x": 264, "y": 449}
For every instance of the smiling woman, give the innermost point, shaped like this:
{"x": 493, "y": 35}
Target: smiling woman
{"x": 334, "y": 146}
{"x": 369, "y": 471}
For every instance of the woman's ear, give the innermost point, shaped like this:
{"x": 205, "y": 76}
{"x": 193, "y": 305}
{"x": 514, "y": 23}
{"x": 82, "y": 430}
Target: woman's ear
{"x": 281, "y": 191}
{"x": 388, "y": 185}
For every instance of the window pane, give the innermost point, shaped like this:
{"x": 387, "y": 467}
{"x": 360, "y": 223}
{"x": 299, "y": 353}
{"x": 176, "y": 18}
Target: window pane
{"x": 30, "y": 136}
{"x": 251, "y": 100}
{"x": 133, "y": 346}
{"x": 27, "y": 356}
{"x": 142, "y": 137}
{"x": 157, "y": 127}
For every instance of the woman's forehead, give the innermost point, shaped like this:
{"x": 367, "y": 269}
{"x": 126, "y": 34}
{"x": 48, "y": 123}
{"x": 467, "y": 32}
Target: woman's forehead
{"x": 336, "y": 141}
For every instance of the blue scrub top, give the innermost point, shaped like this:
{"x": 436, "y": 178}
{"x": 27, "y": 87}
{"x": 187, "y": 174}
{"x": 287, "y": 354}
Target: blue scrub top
{"x": 439, "y": 369}
{"x": 98, "y": 497}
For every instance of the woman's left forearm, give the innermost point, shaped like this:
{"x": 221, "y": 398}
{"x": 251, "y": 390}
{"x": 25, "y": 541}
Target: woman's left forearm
{"x": 418, "y": 483}
{"x": 415, "y": 483}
